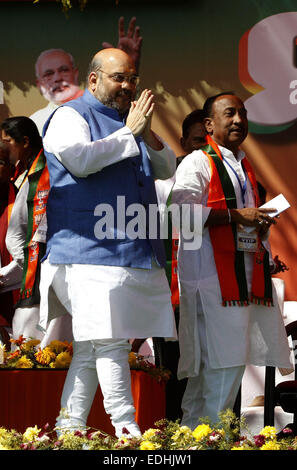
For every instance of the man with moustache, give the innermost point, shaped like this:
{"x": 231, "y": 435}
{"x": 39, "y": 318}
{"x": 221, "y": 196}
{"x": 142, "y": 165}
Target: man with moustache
{"x": 99, "y": 147}
{"x": 229, "y": 314}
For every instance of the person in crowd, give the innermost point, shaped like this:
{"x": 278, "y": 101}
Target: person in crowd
{"x": 10, "y": 272}
{"x": 193, "y": 133}
{"x": 229, "y": 315}
{"x": 100, "y": 148}
{"x": 24, "y": 241}
{"x": 57, "y": 76}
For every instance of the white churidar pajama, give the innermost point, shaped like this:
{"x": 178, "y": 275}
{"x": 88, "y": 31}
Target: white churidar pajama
{"x": 216, "y": 342}
{"x": 108, "y": 304}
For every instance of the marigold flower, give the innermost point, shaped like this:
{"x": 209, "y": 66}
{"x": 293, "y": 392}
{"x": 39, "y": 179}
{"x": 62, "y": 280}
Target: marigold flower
{"x": 14, "y": 355}
{"x": 31, "y": 433}
{"x": 269, "y": 432}
{"x": 149, "y": 433}
{"x": 57, "y": 346}
{"x": 45, "y": 356}
{"x": 203, "y": 430}
{"x": 62, "y": 360}
{"x": 24, "y": 363}
{"x": 30, "y": 344}
{"x": 19, "y": 341}
{"x": 147, "y": 445}
{"x": 270, "y": 445}
{"x": 184, "y": 432}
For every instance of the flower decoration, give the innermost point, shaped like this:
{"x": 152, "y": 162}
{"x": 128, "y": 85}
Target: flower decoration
{"x": 27, "y": 354}
{"x": 165, "y": 435}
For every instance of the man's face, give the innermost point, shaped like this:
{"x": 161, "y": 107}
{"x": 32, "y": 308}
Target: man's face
{"x": 16, "y": 149}
{"x": 195, "y": 138}
{"x": 228, "y": 125}
{"x": 57, "y": 79}
{"x": 111, "y": 90}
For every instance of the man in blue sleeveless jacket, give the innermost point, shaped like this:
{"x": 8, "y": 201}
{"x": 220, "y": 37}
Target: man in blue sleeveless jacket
{"x": 103, "y": 263}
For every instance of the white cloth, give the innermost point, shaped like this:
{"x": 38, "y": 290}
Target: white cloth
{"x": 41, "y": 115}
{"x": 106, "y": 361}
{"x": 235, "y": 335}
{"x": 105, "y": 301}
{"x": 26, "y": 319}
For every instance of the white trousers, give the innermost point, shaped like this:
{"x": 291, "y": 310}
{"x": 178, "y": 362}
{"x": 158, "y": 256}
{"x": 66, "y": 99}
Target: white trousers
{"x": 213, "y": 390}
{"x": 105, "y": 361}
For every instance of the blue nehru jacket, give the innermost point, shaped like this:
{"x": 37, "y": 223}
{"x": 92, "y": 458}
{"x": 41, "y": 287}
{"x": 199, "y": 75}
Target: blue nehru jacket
{"x": 71, "y": 215}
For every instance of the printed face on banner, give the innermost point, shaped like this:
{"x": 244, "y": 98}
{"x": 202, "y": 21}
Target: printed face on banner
{"x": 57, "y": 78}
{"x": 267, "y": 68}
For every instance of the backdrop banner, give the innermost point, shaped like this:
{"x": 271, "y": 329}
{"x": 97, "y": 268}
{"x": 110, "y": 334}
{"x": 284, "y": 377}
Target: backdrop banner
{"x": 191, "y": 49}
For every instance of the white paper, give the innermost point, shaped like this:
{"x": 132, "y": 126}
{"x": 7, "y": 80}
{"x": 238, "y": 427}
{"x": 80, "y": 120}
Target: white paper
{"x": 279, "y": 203}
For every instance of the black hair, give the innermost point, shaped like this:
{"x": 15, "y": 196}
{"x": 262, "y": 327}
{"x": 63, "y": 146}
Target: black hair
{"x": 195, "y": 116}
{"x": 21, "y": 126}
{"x": 207, "y": 107}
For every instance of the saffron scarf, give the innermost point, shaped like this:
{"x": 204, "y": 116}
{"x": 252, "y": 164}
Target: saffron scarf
{"x": 230, "y": 261}
{"x": 37, "y": 198}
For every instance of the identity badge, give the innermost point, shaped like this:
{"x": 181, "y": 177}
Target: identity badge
{"x": 247, "y": 241}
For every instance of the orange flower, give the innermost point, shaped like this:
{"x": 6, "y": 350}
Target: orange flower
{"x": 14, "y": 355}
{"x": 19, "y": 341}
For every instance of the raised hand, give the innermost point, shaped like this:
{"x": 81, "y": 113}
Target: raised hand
{"x": 131, "y": 42}
{"x": 140, "y": 113}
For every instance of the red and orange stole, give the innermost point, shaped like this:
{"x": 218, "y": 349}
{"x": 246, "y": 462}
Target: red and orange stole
{"x": 37, "y": 197}
{"x": 229, "y": 261}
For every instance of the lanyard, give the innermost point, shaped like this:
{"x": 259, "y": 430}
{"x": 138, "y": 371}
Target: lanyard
{"x": 242, "y": 187}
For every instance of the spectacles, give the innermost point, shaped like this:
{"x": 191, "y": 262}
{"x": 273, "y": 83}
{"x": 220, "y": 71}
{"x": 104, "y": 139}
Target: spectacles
{"x": 4, "y": 163}
{"x": 121, "y": 78}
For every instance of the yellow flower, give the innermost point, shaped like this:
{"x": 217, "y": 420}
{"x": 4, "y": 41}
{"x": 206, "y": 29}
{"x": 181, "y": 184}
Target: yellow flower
{"x": 30, "y": 344}
{"x": 237, "y": 448}
{"x": 31, "y": 433}
{"x": 57, "y": 346}
{"x": 149, "y": 434}
{"x": 147, "y": 445}
{"x": 269, "y": 432}
{"x": 201, "y": 431}
{"x": 24, "y": 363}
{"x": 270, "y": 445}
{"x": 183, "y": 432}
{"x": 62, "y": 361}
{"x": 45, "y": 356}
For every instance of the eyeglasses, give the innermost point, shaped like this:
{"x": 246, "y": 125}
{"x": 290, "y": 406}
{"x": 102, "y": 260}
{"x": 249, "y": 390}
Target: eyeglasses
{"x": 4, "y": 163}
{"x": 121, "y": 78}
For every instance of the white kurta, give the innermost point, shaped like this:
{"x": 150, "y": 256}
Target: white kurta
{"x": 235, "y": 335}
{"x": 105, "y": 301}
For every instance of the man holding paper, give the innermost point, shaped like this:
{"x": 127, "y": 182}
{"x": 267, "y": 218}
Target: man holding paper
{"x": 228, "y": 307}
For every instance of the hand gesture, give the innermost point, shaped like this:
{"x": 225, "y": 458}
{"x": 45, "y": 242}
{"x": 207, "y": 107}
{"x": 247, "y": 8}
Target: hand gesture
{"x": 130, "y": 43}
{"x": 140, "y": 114}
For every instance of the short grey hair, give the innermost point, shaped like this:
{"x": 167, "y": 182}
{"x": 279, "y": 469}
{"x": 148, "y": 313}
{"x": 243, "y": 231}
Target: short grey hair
{"x": 49, "y": 51}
